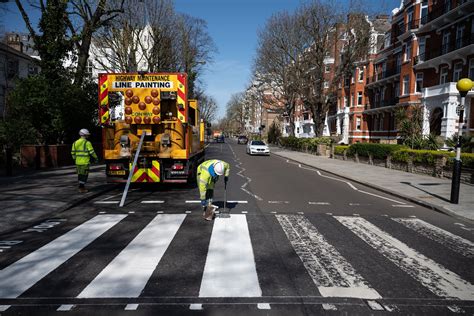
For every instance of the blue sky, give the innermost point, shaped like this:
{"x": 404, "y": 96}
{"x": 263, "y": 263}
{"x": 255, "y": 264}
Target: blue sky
{"x": 233, "y": 25}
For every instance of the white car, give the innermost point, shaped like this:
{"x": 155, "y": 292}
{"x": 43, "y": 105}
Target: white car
{"x": 257, "y": 147}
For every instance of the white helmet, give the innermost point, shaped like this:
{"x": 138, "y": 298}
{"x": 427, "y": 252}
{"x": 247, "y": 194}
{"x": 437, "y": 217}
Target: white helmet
{"x": 219, "y": 168}
{"x": 84, "y": 132}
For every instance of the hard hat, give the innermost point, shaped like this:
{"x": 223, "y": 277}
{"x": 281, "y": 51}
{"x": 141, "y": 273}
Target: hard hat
{"x": 84, "y": 132}
{"x": 219, "y": 168}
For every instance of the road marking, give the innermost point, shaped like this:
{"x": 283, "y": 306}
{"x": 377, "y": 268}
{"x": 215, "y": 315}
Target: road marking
{"x": 128, "y": 273}
{"x": 131, "y": 307}
{"x": 279, "y": 202}
{"x": 187, "y": 212}
{"x": 131, "y": 212}
{"x": 431, "y": 274}
{"x": 397, "y": 205}
{"x": 192, "y": 201}
{"x": 244, "y": 212}
{"x": 329, "y": 307}
{"x": 319, "y": 203}
{"x": 455, "y": 243}
{"x": 4, "y": 307}
{"x": 375, "y": 306}
{"x": 65, "y": 308}
{"x": 263, "y": 306}
{"x": 24, "y": 273}
{"x": 225, "y": 275}
{"x": 102, "y": 212}
{"x": 391, "y": 308}
{"x": 106, "y": 202}
{"x": 456, "y": 309}
{"x": 354, "y": 204}
{"x": 331, "y": 272}
{"x": 160, "y": 212}
{"x": 238, "y": 202}
{"x": 152, "y": 202}
{"x": 195, "y": 307}
{"x": 273, "y": 212}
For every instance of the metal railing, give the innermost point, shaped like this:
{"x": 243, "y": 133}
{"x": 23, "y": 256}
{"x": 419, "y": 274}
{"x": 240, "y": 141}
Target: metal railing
{"x": 445, "y": 48}
{"x": 439, "y": 11}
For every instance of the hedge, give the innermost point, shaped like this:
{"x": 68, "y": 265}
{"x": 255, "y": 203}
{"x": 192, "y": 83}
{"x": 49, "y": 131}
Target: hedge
{"x": 378, "y": 151}
{"x": 339, "y": 150}
{"x": 429, "y": 157}
{"x": 310, "y": 144}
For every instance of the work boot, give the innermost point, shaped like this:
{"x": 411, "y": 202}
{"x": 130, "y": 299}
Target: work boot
{"x": 209, "y": 213}
{"x": 83, "y": 190}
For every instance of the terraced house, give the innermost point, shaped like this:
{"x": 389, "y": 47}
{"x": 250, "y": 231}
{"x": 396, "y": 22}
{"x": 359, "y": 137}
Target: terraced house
{"x": 427, "y": 48}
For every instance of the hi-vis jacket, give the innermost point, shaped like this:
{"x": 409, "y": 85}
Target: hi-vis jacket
{"x": 81, "y": 152}
{"x": 205, "y": 180}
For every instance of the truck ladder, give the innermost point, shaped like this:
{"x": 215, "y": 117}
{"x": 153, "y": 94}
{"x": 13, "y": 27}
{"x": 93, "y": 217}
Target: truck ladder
{"x": 130, "y": 174}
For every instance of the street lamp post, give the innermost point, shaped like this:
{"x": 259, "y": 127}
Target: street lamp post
{"x": 463, "y": 86}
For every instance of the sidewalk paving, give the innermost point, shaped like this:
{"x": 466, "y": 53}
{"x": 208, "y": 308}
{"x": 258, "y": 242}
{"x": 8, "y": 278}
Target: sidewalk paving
{"x": 34, "y": 195}
{"x": 420, "y": 189}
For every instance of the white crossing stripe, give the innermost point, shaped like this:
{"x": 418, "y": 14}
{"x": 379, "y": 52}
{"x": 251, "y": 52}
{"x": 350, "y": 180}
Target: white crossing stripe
{"x": 330, "y": 271}
{"x": 21, "y": 275}
{"x": 4, "y": 307}
{"x": 128, "y": 273}
{"x": 375, "y": 306}
{"x": 230, "y": 264}
{"x": 319, "y": 203}
{"x": 263, "y": 306}
{"x": 65, "y": 308}
{"x": 195, "y": 307}
{"x": 455, "y": 243}
{"x": 329, "y": 307}
{"x": 106, "y": 202}
{"x": 131, "y": 307}
{"x": 152, "y": 202}
{"x": 402, "y": 205}
{"x": 431, "y": 274}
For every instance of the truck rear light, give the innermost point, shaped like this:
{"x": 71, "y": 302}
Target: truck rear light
{"x": 128, "y": 119}
{"x": 147, "y": 120}
{"x": 142, "y": 106}
{"x": 156, "y": 119}
{"x": 115, "y": 166}
{"x": 177, "y": 166}
{"x": 138, "y": 119}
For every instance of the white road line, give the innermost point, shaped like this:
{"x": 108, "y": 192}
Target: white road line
{"x": 331, "y": 272}
{"x": 375, "y": 306}
{"x": 106, "y": 202}
{"x": 195, "y": 307}
{"x": 238, "y": 202}
{"x": 65, "y": 308}
{"x": 192, "y": 201}
{"x": 397, "y": 205}
{"x": 459, "y": 224}
{"x": 24, "y": 273}
{"x": 131, "y": 307}
{"x": 329, "y": 307}
{"x": 128, "y": 273}
{"x": 152, "y": 202}
{"x": 455, "y": 243}
{"x": 263, "y": 306}
{"x": 431, "y": 274}
{"x": 319, "y": 203}
{"x": 230, "y": 264}
{"x": 3, "y": 308}
{"x": 279, "y": 202}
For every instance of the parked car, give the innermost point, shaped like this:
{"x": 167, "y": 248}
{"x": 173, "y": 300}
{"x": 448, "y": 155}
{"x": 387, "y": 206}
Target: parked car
{"x": 257, "y": 147}
{"x": 242, "y": 139}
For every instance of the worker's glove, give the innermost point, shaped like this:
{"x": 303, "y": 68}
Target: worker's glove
{"x": 225, "y": 181}
{"x": 203, "y": 202}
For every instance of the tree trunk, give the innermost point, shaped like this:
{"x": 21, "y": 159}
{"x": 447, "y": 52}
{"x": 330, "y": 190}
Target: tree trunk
{"x": 83, "y": 56}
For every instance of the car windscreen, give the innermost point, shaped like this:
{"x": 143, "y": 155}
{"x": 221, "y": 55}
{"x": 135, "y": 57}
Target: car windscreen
{"x": 258, "y": 142}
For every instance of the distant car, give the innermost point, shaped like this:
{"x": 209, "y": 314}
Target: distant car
{"x": 257, "y": 147}
{"x": 242, "y": 139}
{"x": 219, "y": 139}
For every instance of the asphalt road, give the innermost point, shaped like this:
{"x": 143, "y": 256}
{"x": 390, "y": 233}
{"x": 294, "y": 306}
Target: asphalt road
{"x": 297, "y": 242}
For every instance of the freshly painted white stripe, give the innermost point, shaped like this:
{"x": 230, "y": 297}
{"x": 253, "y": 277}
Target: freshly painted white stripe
{"x": 4, "y": 307}
{"x": 329, "y": 307}
{"x": 65, "y": 308}
{"x": 187, "y": 212}
{"x": 131, "y": 307}
{"x": 230, "y": 264}
{"x": 330, "y": 271}
{"x": 160, "y": 212}
{"x": 459, "y": 224}
{"x": 24, "y": 273}
{"x": 375, "y": 306}
{"x": 319, "y": 203}
{"x": 195, "y": 307}
{"x": 102, "y": 212}
{"x": 106, "y": 202}
{"x": 244, "y": 212}
{"x": 131, "y": 212}
{"x": 354, "y": 204}
{"x": 328, "y": 213}
{"x": 273, "y": 212}
{"x": 238, "y": 202}
{"x": 431, "y": 274}
{"x": 152, "y": 202}
{"x": 192, "y": 201}
{"x": 399, "y": 205}
{"x": 278, "y": 202}
{"x": 128, "y": 273}
{"x": 263, "y": 306}
{"x": 455, "y": 243}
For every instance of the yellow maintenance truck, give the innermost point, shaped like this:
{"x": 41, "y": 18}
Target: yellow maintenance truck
{"x": 149, "y": 122}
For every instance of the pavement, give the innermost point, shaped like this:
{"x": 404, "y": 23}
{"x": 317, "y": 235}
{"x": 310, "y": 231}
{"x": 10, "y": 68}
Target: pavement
{"x": 35, "y": 195}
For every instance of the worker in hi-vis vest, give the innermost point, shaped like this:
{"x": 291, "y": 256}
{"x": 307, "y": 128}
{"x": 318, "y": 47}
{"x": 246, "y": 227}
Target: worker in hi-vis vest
{"x": 207, "y": 175}
{"x": 81, "y": 152}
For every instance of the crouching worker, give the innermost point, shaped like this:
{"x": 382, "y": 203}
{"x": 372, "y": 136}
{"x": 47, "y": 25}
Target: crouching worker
{"x": 207, "y": 175}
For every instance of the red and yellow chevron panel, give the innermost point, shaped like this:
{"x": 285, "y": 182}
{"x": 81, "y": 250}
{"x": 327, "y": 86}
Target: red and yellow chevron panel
{"x": 182, "y": 101}
{"x": 104, "y": 115}
{"x": 147, "y": 174}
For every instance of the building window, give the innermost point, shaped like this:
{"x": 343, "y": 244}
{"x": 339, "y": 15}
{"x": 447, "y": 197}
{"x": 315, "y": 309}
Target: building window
{"x": 381, "y": 123}
{"x": 459, "y": 36}
{"x": 398, "y": 63}
{"x": 424, "y": 13}
{"x": 419, "y": 82}
{"x": 347, "y": 81}
{"x": 327, "y": 68}
{"x": 410, "y": 18}
{"x": 457, "y": 72}
{"x": 396, "y": 89}
{"x": 358, "y": 123}
{"x": 421, "y": 48}
{"x": 471, "y": 69}
{"x": 443, "y": 77}
{"x": 408, "y": 51}
{"x": 359, "y": 98}
{"x": 361, "y": 75}
{"x": 382, "y": 94}
{"x": 445, "y": 42}
{"x": 326, "y": 84}
{"x": 345, "y": 102}
{"x": 406, "y": 85}
{"x": 352, "y": 100}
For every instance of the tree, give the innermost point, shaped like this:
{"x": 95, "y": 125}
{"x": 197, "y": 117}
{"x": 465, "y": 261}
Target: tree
{"x": 235, "y": 113}
{"x": 208, "y": 107}
{"x": 278, "y": 62}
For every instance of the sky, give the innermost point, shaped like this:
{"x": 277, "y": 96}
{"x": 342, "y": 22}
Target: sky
{"x": 233, "y": 25}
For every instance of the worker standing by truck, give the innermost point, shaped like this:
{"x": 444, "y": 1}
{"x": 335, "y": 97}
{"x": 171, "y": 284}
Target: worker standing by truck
{"x": 81, "y": 152}
{"x": 207, "y": 175}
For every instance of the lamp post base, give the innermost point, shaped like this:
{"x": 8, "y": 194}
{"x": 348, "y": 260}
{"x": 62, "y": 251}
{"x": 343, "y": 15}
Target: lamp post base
{"x": 456, "y": 181}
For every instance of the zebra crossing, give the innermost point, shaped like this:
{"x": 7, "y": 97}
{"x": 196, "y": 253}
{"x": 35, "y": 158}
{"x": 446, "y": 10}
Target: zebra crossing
{"x": 228, "y": 266}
